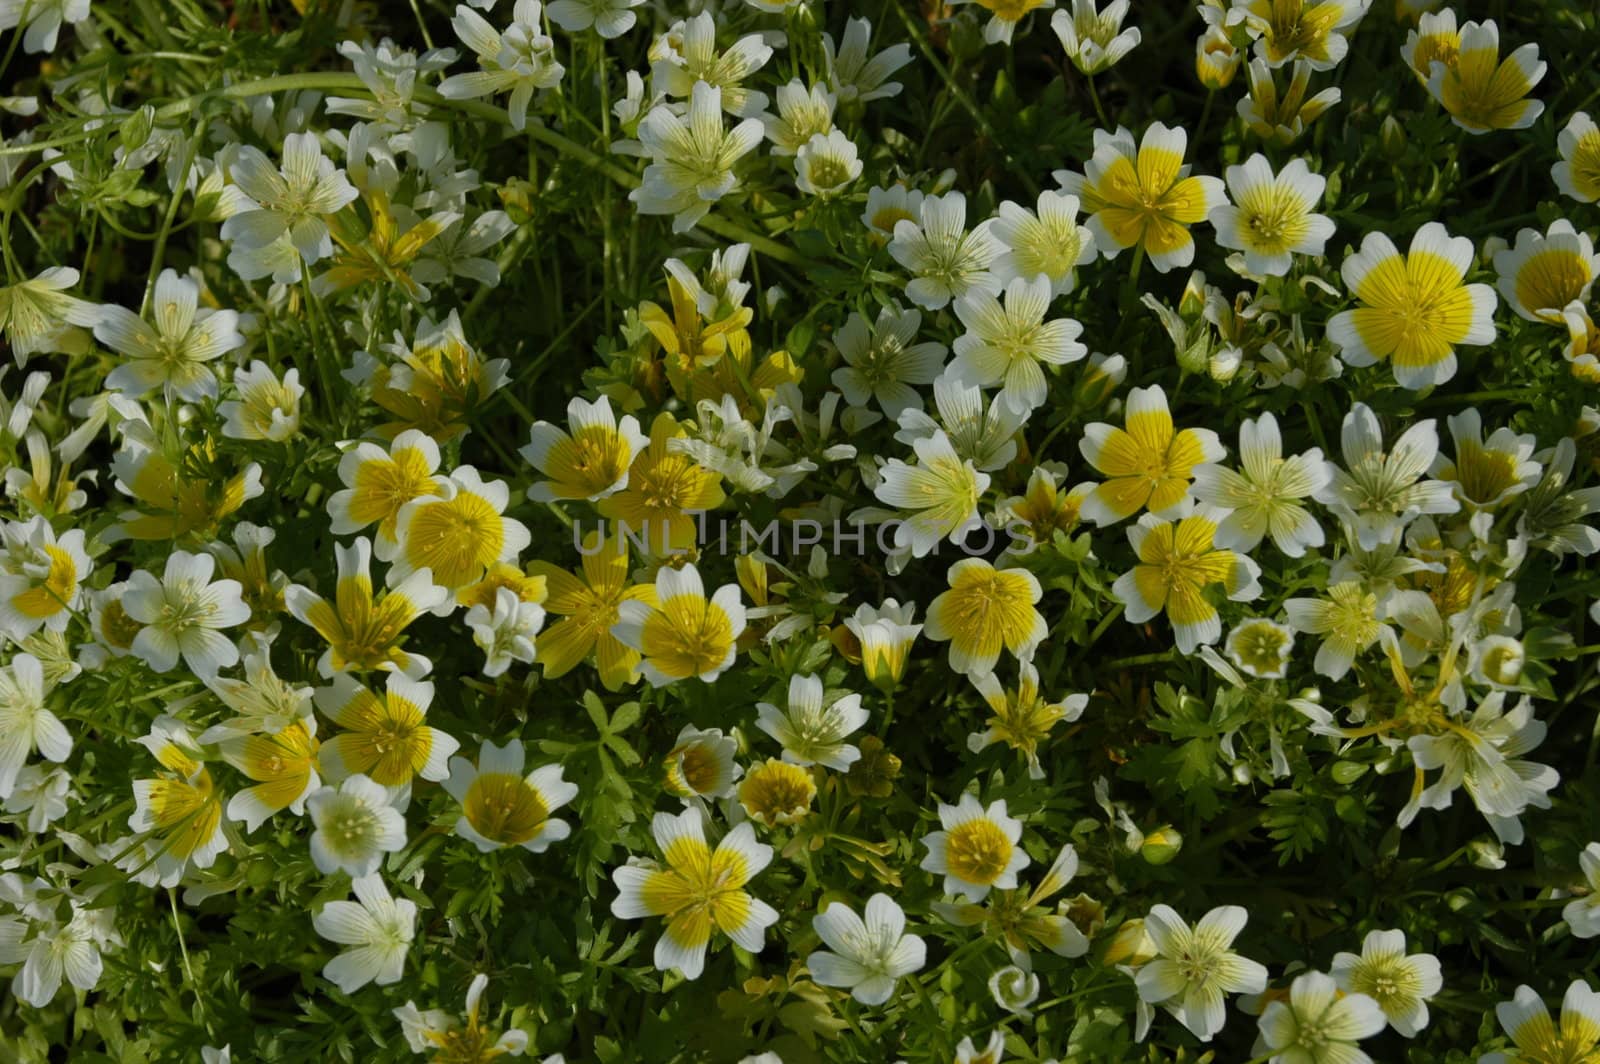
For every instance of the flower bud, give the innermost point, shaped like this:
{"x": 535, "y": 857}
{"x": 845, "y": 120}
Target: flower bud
{"x": 1132, "y": 945}
{"x": 1014, "y": 989}
{"x": 1392, "y": 139}
{"x": 1161, "y": 845}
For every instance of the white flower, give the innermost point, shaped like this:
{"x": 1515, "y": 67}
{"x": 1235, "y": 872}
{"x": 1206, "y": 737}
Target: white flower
{"x": 182, "y": 613}
{"x": 267, "y": 408}
{"x": 506, "y": 633}
{"x": 1378, "y": 492}
{"x": 692, "y": 157}
{"x": 813, "y": 733}
{"x": 519, "y": 61}
{"x": 1094, "y": 40}
{"x": 378, "y": 927}
{"x": 1006, "y": 345}
{"x": 1318, "y": 1024}
{"x": 291, "y": 203}
{"x": 44, "y": 21}
{"x": 946, "y": 261}
{"x": 938, "y": 496}
{"x": 883, "y": 361}
{"x": 173, "y": 351}
{"x": 1050, "y": 243}
{"x": 1574, "y": 1038}
{"x": 1482, "y": 753}
{"x": 458, "y": 251}
{"x": 25, "y": 724}
{"x": 826, "y": 164}
{"x": 1348, "y": 621}
{"x": 1271, "y": 217}
{"x": 355, "y": 827}
{"x": 977, "y": 851}
{"x": 1583, "y": 914}
{"x": 37, "y": 316}
{"x": 888, "y": 207}
{"x": 867, "y": 956}
{"x": 802, "y": 113}
{"x": 1263, "y": 496}
{"x": 1400, "y": 983}
{"x": 856, "y": 76}
{"x": 39, "y": 793}
{"x": 993, "y": 1051}
{"x": 1195, "y": 967}
{"x": 71, "y": 950}
{"x": 983, "y": 433}
{"x": 689, "y": 56}
{"x": 610, "y": 18}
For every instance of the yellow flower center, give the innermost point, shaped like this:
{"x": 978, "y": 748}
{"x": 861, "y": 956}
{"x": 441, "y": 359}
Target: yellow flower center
{"x": 977, "y": 851}
{"x": 777, "y": 793}
{"x": 504, "y": 808}
{"x": 456, "y": 538}
{"x": 52, "y": 595}
{"x": 693, "y": 769}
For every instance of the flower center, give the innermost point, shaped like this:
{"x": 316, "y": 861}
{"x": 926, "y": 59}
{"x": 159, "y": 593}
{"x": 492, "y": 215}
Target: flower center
{"x": 977, "y": 851}
{"x": 504, "y": 808}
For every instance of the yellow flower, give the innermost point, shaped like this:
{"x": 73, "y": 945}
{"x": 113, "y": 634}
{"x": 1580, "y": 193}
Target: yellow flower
{"x": 1583, "y": 344}
{"x": 593, "y": 462}
{"x": 500, "y": 806}
{"x": 1301, "y": 29}
{"x": 1143, "y": 196}
{"x": 364, "y": 632}
{"x": 775, "y": 792}
{"x": 1216, "y": 60}
{"x": 684, "y": 634}
{"x": 587, "y": 606}
{"x": 181, "y": 811}
{"x": 284, "y": 768}
{"x": 455, "y": 535}
{"x": 1435, "y": 40}
{"x": 175, "y": 502}
{"x": 665, "y": 487}
{"x": 1414, "y": 307}
{"x": 1177, "y": 562}
{"x": 436, "y": 384}
{"x": 1280, "y": 117}
{"x": 1541, "y": 274}
{"x": 1536, "y": 1039}
{"x": 1148, "y": 463}
{"x": 699, "y": 890}
{"x": 1481, "y": 92}
{"x": 1578, "y": 173}
{"x": 385, "y": 738}
{"x": 977, "y": 851}
{"x": 984, "y": 610}
{"x": 884, "y": 637}
{"x": 527, "y": 588}
{"x": 377, "y": 483}
{"x": 1007, "y": 13}
{"x": 1347, "y": 620}
{"x": 688, "y": 342}
{"x": 1021, "y": 717}
{"x": 378, "y": 253}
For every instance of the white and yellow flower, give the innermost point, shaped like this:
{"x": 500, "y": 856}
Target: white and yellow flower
{"x": 938, "y": 496}
{"x": 1378, "y": 493}
{"x": 1148, "y": 464}
{"x": 41, "y": 576}
{"x": 455, "y": 536}
{"x": 1195, "y": 967}
{"x": 1541, "y": 274}
{"x": 1094, "y": 40}
{"x": 1400, "y": 982}
{"x": 1435, "y": 39}
{"x": 885, "y": 634}
{"x": 385, "y": 736}
{"x": 173, "y": 352}
{"x": 355, "y": 825}
{"x": 503, "y": 806}
{"x": 1578, "y": 173}
{"x": 810, "y": 730}
{"x": 1486, "y": 473}
{"x": 945, "y": 260}
{"x": 1271, "y": 218}
{"x": 282, "y": 763}
{"x": 1309, "y": 30}
{"x": 378, "y": 483}
{"x": 181, "y": 810}
{"x": 1009, "y": 345}
{"x": 268, "y": 408}
{"x": 1021, "y": 717}
{"x": 1005, "y": 15}
{"x": 591, "y": 462}
{"x": 826, "y": 164}
{"x": 977, "y": 850}
{"x": 884, "y": 361}
{"x": 1536, "y": 1038}
{"x": 1143, "y": 196}
{"x": 775, "y": 792}
{"x": 698, "y": 891}
{"x": 1178, "y": 561}
{"x": 25, "y": 724}
{"x": 1263, "y": 496}
{"x": 683, "y": 634}
{"x": 1582, "y": 914}
{"x": 986, "y": 610}
{"x": 1319, "y": 1023}
{"x": 1261, "y": 647}
{"x": 1348, "y": 621}
{"x": 364, "y": 632}
{"x": 1483, "y": 93}
{"x": 1048, "y": 243}
{"x": 865, "y": 956}
{"x": 701, "y": 764}
{"x": 1414, "y": 309}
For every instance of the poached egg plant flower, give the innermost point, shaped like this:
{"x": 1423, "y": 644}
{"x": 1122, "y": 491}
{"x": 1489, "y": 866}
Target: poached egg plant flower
{"x": 865, "y": 956}
{"x": 683, "y": 634}
{"x": 697, "y": 889}
{"x": 985, "y": 610}
{"x": 1272, "y": 217}
{"x": 1195, "y": 967}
